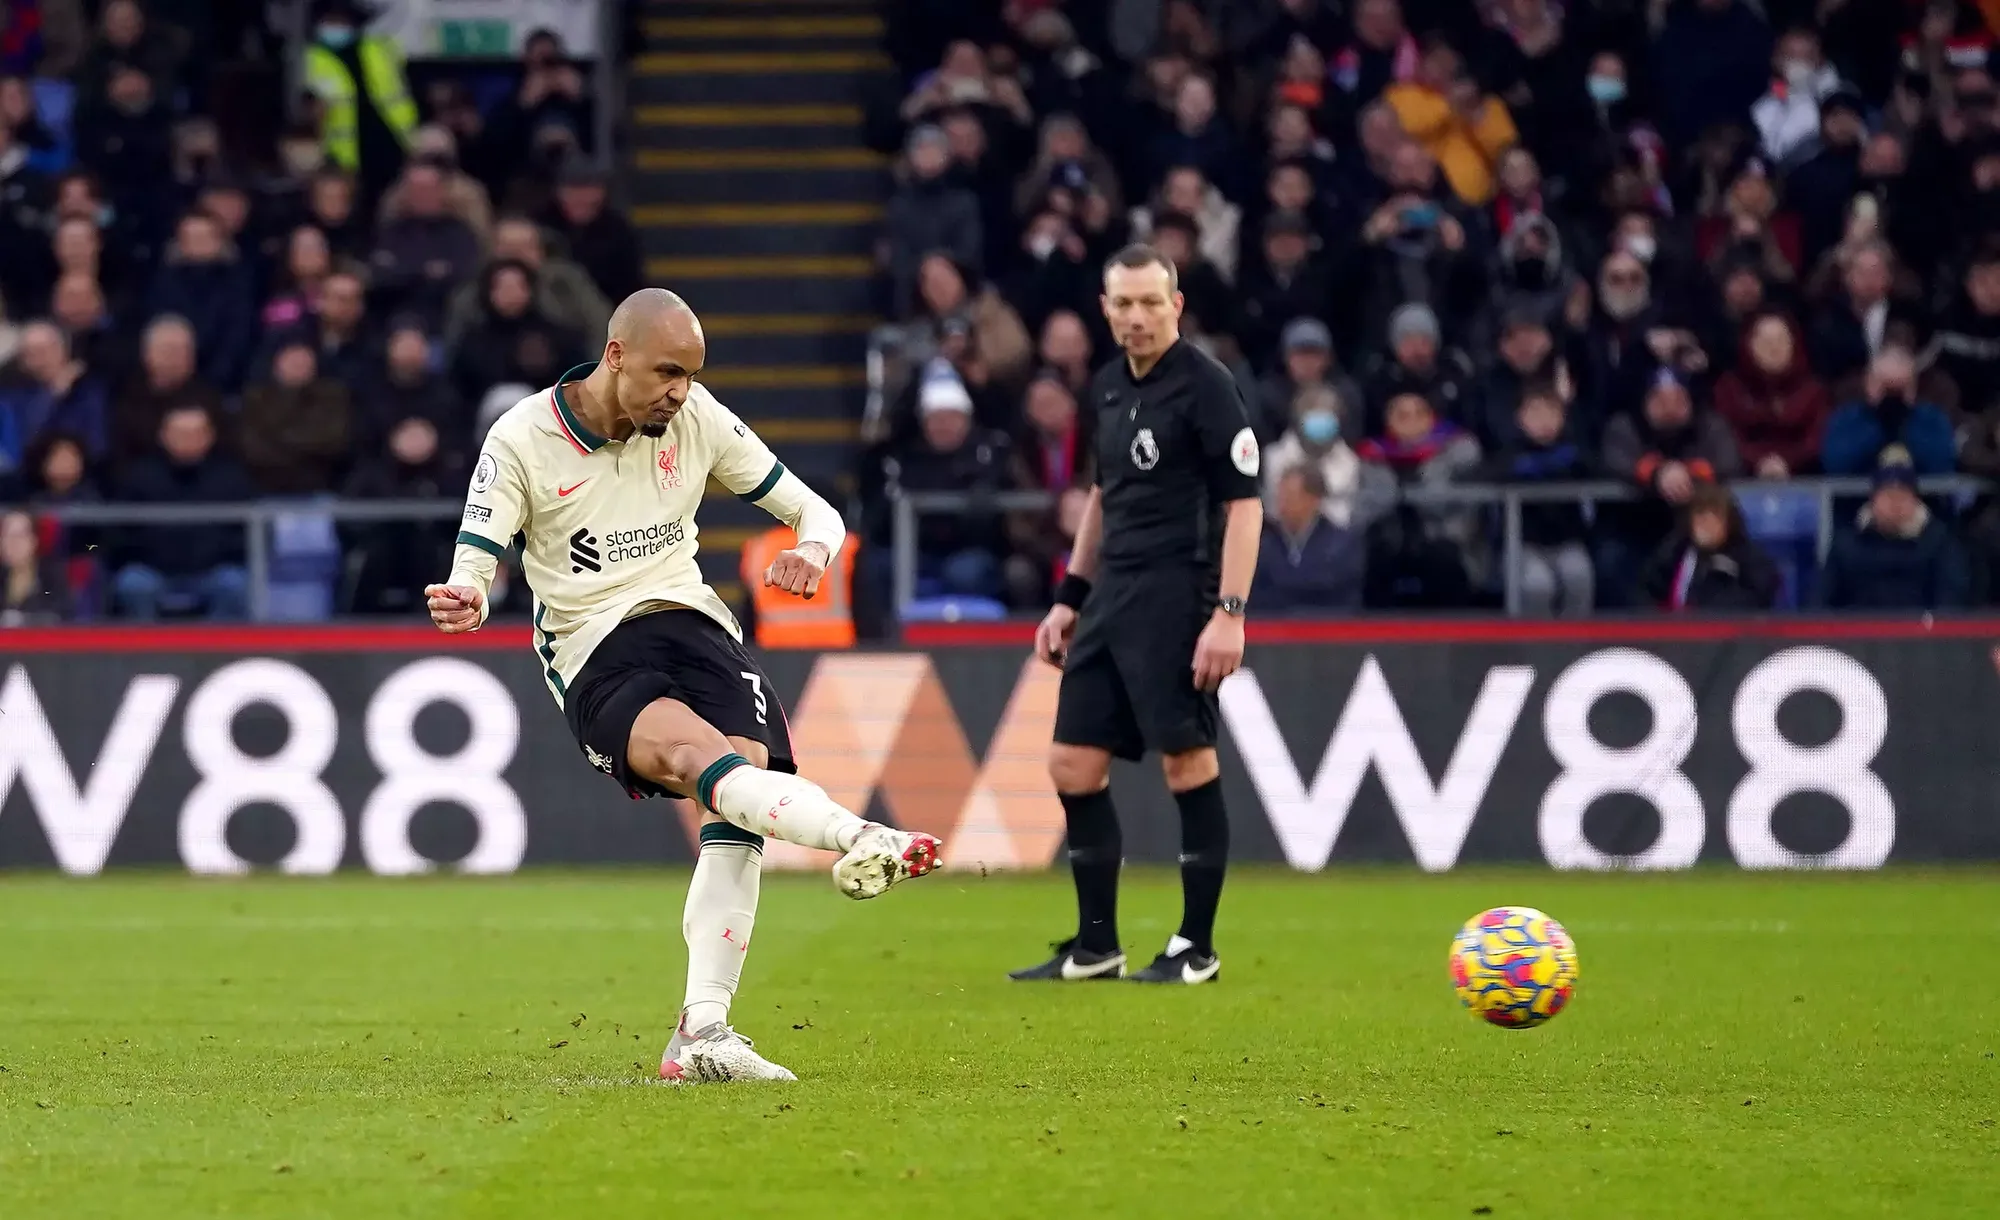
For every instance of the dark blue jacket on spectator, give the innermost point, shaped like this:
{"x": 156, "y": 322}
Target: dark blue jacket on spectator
{"x": 1858, "y": 432}
{"x": 1871, "y": 570}
{"x": 1323, "y": 570}
{"x": 184, "y": 550}
{"x": 28, "y": 408}
{"x": 1213, "y": 150}
{"x": 219, "y": 301}
{"x": 1709, "y": 67}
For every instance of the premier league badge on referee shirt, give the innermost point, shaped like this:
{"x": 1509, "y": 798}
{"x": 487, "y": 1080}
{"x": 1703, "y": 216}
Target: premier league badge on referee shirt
{"x": 1145, "y": 450}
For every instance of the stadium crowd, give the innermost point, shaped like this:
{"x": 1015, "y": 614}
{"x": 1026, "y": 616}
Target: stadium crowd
{"x": 205, "y": 303}
{"x": 1675, "y": 243}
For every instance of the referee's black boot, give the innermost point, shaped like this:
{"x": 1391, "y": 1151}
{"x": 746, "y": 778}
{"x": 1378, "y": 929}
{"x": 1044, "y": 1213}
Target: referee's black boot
{"x": 1189, "y": 966}
{"x": 1074, "y": 965}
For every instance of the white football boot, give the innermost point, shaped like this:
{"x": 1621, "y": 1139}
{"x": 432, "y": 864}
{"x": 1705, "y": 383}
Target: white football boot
{"x": 883, "y": 856}
{"x": 716, "y": 1054}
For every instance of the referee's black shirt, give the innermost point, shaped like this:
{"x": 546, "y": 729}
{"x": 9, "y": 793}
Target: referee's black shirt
{"x": 1173, "y": 447}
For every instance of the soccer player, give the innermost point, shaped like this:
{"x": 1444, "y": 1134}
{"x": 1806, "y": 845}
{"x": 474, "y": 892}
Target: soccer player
{"x": 600, "y": 476}
{"x": 1159, "y": 574}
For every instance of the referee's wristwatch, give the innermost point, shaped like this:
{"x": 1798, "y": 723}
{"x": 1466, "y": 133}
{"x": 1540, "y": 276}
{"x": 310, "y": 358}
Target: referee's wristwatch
{"x": 1232, "y": 606}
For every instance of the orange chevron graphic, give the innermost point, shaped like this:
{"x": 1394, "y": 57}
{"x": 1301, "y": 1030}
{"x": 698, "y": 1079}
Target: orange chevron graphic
{"x": 880, "y": 722}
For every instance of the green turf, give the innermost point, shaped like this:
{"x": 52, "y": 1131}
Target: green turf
{"x": 1743, "y": 1046}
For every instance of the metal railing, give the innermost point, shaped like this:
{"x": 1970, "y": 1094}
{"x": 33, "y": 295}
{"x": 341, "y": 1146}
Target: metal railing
{"x": 1509, "y": 498}
{"x": 255, "y": 518}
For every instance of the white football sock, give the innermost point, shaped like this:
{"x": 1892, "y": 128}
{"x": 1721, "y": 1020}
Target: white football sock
{"x": 721, "y": 913}
{"x": 781, "y": 806}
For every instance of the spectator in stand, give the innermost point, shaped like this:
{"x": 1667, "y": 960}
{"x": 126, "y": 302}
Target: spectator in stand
{"x": 1772, "y": 402}
{"x": 1291, "y": 280}
{"x": 344, "y": 341}
{"x": 957, "y": 556}
{"x": 204, "y": 281}
{"x": 465, "y": 196}
{"x": 1414, "y": 248}
{"x": 1066, "y": 160}
{"x": 1710, "y": 561}
{"x": 1852, "y": 330}
{"x": 297, "y": 427}
{"x": 1821, "y": 189}
{"x": 1788, "y": 115}
{"x": 1966, "y": 345}
{"x": 1064, "y": 349}
{"x": 1890, "y": 412}
{"x": 1532, "y": 278}
{"x": 1711, "y": 62}
{"x": 963, "y": 80}
{"x": 34, "y": 591}
{"x": 564, "y": 291}
{"x": 1305, "y": 358}
{"x": 1199, "y": 137}
{"x": 596, "y": 234}
{"x": 46, "y": 388}
{"x": 332, "y": 205}
{"x": 1464, "y": 130}
{"x": 1418, "y": 362}
{"x": 427, "y": 252}
{"x": 1187, "y": 191}
{"x": 126, "y": 39}
{"x": 296, "y": 288}
{"x": 553, "y": 95}
{"x": 1898, "y": 555}
{"x": 1354, "y": 493}
{"x": 166, "y": 379}
{"x": 1749, "y": 228}
{"x": 415, "y": 448}
{"x": 122, "y": 136}
{"x": 182, "y": 569}
{"x": 512, "y": 341}
{"x": 1527, "y": 351}
{"x": 77, "y": 247}
{"x": 998, "y": 343}
{"x": 25, "y": 196}
{"x": 1615, "y": 355}
{"x": 1667, "y": 449}
{"x": 1361, "y": 178}
{"x": 1382, "y": 54}
{"x": 1556, "y": 576}
{"x": 1212, "y": 305}
{"x": 930, "y": 214}
{"x": 1058, "y": 273}
{"x": 78, "y": 307}
{"x": 1307, "y": 563}
{"x": 366, "y": 111}
{"x": 1053, "y": 454}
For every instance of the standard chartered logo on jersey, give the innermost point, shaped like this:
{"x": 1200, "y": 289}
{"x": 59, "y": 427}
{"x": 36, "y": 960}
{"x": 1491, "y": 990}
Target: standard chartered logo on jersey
{"x": 643, "y": 543}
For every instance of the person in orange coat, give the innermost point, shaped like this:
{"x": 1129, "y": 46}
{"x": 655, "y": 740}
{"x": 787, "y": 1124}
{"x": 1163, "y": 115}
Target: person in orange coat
{"x": 1464, "y": 129}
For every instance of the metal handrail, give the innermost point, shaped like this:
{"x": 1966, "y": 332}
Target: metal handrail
{"x": 1509, "y": 497}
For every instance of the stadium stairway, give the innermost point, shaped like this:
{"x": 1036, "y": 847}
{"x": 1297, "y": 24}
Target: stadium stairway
{"x": 757, "y": 200}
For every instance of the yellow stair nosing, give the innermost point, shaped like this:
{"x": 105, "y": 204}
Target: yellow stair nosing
{"x": 763, "y": 266}
{"x": 859, "y": 25}
{"x": 749, "y": 114}
{"x": 687, "y": 215}
{"x": 735, "y": 63}
{"x": 759, "y": 158}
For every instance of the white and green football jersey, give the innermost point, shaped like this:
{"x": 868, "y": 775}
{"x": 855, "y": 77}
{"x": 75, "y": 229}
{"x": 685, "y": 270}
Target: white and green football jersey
{"x": 607, "y": 528}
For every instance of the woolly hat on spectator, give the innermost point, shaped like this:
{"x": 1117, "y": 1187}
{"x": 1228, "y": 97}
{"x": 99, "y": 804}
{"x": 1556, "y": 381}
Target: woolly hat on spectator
{"x": 1413, "y": 319}
{"x": 1306, "y": 334}
{"x": 1845, "y": 97}
{"x": 1895, "y": 469}
{"x": 941, "y": 389}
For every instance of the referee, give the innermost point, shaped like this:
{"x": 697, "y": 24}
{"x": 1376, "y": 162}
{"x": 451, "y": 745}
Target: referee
{"x": 1154, "y": 599}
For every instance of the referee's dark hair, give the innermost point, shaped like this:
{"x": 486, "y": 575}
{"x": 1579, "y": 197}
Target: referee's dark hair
{"x": 1139, "y": 254}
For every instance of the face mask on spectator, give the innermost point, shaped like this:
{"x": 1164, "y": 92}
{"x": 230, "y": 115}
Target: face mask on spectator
{"x": 1798, "y": 73}
{"x": 1531, "y": 271}
{"x": 1041, "y": 245}
{"x": 1642, "y": 246}
{"x": 1623, "y": 303}
{"x": 1605, "y": 90}
{"x": 335, "y": 36}
{"x": 1319, "y": 427}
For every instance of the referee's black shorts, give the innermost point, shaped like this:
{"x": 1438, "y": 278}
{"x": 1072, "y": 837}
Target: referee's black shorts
{"x": 671, "y": 654}
{"x": 1128, "y": 681}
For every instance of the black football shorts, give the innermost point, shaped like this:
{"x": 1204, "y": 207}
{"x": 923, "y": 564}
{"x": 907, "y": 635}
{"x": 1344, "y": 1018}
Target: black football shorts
{"x": 1128, "y": 682}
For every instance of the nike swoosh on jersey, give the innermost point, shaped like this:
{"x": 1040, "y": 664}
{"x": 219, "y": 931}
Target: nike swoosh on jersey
{"x": 1071, "y": 972}
{"x": 564, "y": 491}
{"x": 1190, "y": 975}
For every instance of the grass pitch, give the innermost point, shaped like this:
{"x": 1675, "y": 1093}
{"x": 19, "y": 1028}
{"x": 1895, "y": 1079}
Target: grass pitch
{"x": 1743, "y": 1046}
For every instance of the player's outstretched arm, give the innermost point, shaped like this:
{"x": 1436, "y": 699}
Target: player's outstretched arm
{"x": 746, "y": 466}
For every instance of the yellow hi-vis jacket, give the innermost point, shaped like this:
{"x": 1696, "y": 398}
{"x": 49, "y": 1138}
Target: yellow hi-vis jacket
{"x": 328, "y": 79}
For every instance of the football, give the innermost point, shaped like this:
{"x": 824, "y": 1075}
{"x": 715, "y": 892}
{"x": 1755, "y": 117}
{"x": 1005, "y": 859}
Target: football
{"x": 1514, "y": 966}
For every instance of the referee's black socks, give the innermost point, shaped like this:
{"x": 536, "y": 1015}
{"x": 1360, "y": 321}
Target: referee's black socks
{"x": 1095, "y": 851}
{"x": 1204, "y": 859}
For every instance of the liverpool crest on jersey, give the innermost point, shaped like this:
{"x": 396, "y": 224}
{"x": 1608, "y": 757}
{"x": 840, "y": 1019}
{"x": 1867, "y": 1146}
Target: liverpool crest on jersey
{"x": 670, "y": 475}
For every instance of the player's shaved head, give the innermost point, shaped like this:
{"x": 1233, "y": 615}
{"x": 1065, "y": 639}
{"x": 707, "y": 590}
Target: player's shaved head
{"x": 652, "y": 351}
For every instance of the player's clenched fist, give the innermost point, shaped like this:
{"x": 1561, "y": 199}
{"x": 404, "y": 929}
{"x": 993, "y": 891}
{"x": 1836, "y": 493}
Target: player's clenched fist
{"x": 454, "y": 608}
{"x": 799, "y": 569}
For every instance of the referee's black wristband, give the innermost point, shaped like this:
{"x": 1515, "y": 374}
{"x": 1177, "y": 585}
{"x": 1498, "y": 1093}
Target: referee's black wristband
{"x": 1072, "y": 590}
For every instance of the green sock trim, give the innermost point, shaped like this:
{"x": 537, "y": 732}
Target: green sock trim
{"x": 704, "y": 788}
{"x": 723, "y": 832}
